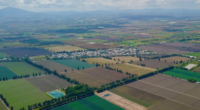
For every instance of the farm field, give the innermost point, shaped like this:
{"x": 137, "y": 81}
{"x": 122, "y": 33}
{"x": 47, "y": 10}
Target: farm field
{"x": 138, "y": 96}
{"x": 193, "y": 54}
{"x": 25, "y": 51}
{"x": 72, "y": 42}
{"x": 20, "y": 93}
{"x": 173, "y": 89}
{"x": 6, "y": 73}
{"x": 126, "y": 59}
{"x": 67, "y": 48}
{"x": 74, "y": 63}
{"x": 101, "y": 61}
{"x": 90, "y": 103}
{"x": 95, "y": 77}
{"x": 94, "y": 46}
{"x": 133, "y": 69}
{"x": 48, "y": 83}
{"x": 154, "y": 64}
{"x": 3, "y": 55}
{"x": 197, "y": 70}
{"x": 163, "y": 49}
{"x": 2, "y": 106}
{"x": 176, "y": 58}
{"x": 120, "y": 101}
{"x": 54, "y": 66}
{"x": 183, "y": 74}
{"x": 22, "y": 68}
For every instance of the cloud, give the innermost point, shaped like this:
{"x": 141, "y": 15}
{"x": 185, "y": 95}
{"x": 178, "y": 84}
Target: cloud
{"x": 87, "y": 5}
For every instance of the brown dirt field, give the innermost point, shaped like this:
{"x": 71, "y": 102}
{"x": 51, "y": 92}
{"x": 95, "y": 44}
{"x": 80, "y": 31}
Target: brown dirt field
{"x": 197, "y": 70}
{"x": 176, "y": 58}
{"x": 126, "y": 59}
{"x": 186, "y": 99}
{"x": 120, "y": 101}
{"x": 94, "y": 46}
{"x": 133, "y": 69}
{"x": 95, "y": 77}
{"x": 160, "y": 49}
{"x": 180, "y": 44}
{"x": 154, "y": 64}
{"x": 170, "y": 105}
{"x": 48, "y": 83}
{"x": 54, "y": 66}
{"x": 100, "y": 61}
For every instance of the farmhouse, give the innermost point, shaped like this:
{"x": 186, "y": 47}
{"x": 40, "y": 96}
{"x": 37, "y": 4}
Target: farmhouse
{"x": 190, "y": 66}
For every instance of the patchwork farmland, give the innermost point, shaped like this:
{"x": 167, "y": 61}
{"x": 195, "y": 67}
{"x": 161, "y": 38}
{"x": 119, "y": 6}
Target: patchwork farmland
{"x": 133, "y": 69}
{"x": 48, "y": 83}
{"x": 175, "y": 59}
{"x": 74, "y": 63}
{"x": 24, "y": 51}
{"x": 95, "y": 77}
{"x": 54, "y": 66}
{"x": 90, "y": 103}
{"x": 22, "y": 68}
{"x": 155, "y": 64}
{"x": 94, "y": 46}
{"x": 20, "y": 93}
{"x": 101, "y": 61}
{"x": 6, "y": 73}
{"x": 183, "y": 74}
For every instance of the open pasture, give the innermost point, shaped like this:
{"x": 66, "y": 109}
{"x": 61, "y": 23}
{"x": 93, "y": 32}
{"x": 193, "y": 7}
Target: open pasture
{"x": 175, "y": 59}
{"x": 174, "y": 89}
{"x": 94, "y": 46}
{"x": 138, "y": 96}
{"x": 48, "y": 83}
{"x": 90, "y": 103}
{"x": 125, "y": 59}
{"x": 154, "y": 64}
{"x": 22, "y": 68}
{"x": 193, "y": 54}
{"x": 183, "y": 74}
{"x": 25, "y": 51}
{"x": 101, "y": 61}
{"x": 67, "y": 48}
{"x": 133, "y": 69}
{"x": 120, "y": 101}
{"x": 95, "y": 77}
{"x": 6, "y": 73}
{"x": 74, "y": 63}
{"x": 20, "y": 93}
{"x": 54, "y": 66}
{"x": 3, "y": 55}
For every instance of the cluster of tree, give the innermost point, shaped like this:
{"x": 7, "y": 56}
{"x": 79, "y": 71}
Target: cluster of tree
{"x": 114, "y": 69}
{"x": 192, "y": 80}
{"x": 5, "y": 101}
{"x": 4, "y": 79}
{"x": 22, "y": 76}
{"x": 72, "y": 94}
{"x": 107, "y": 57}
{"x": 166, "y": 69}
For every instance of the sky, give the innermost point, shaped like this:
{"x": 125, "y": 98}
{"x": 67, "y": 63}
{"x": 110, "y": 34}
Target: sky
{"x": 92, "y": 5}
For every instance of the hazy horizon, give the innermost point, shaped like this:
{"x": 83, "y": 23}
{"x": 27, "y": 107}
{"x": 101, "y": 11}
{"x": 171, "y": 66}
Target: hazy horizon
{"x": 92, "y": 5}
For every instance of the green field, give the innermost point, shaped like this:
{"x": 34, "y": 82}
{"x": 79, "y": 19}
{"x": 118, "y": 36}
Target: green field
{"x": 2, "y": 106}
{"x": 74, "y": 63}
{"x": 6, "y": 73}
{"x": 193, "y": 54}
{"x": 20, "y": 93}
{"x": 183, "y": 74}
{"x": 3, "y": 55}
{"x": 22, "y": 68}
{"x": 90, "y": 103}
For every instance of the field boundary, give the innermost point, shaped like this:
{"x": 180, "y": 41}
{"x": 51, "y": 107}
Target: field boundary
{"x": 4, "y": 104}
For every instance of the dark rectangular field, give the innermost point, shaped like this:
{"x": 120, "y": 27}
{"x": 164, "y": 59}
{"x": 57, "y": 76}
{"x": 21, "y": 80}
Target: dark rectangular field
{"x": 48, "y": 83}
{"x": 171, "y": 88}
{"x": 154, "y": 64}
{"x": 25, "y": 51}
{"x": 95, "y": 77}
{"x": 6, "y": 73}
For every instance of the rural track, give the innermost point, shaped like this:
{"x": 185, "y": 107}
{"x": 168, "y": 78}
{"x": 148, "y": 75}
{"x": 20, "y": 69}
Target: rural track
{"x": 4, "y": 104}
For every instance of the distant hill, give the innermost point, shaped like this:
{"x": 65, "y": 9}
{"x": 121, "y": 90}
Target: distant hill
{"x": 15, "y": 12}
